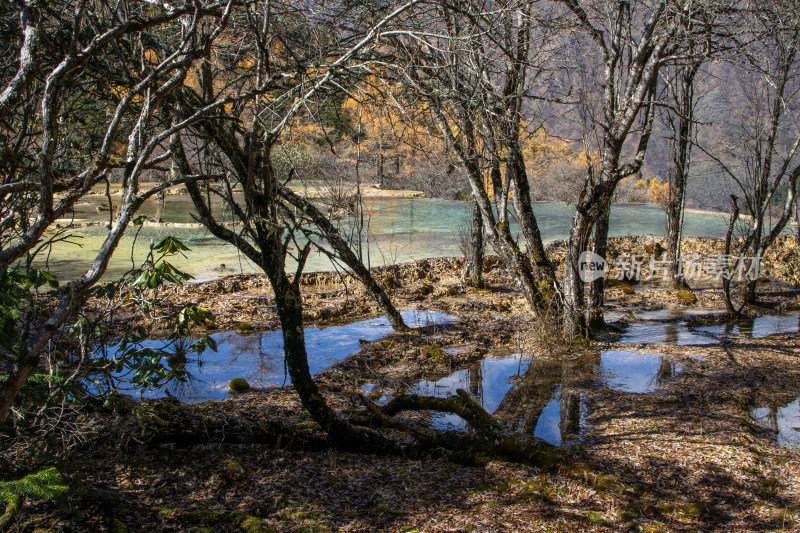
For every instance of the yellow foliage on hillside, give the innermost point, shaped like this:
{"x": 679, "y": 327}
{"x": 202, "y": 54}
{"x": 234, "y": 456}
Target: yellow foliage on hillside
{"x": 657, "y": 192}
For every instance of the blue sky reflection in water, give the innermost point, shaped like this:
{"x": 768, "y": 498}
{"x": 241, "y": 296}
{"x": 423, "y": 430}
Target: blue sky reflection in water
{"x": 784, "y": 420}
{"x": 761, "y": 326}
{"x": 636, "y": 373}
{"x": 495, "y": 378}
{"x": 259, "y": 357}
{"x": 488, "y": 383}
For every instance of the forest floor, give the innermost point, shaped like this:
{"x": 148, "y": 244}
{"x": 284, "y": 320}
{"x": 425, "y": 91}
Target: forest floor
{"x": 686, "y": 456}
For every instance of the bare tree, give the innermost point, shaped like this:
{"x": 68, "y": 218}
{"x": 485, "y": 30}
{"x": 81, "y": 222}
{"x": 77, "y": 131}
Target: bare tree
{"x": 80, "y": 107}
{"x": 468, "y": 71}
{"x": 632, "y": 41}
{"x": 681, "y": 89}
{"x": 477, "y": 70}
{"x": 763, "y": 160}
{"x": 299, "y": 57}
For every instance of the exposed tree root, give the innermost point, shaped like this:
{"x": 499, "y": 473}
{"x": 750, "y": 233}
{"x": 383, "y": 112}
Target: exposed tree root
{"x": 165, "y": 422}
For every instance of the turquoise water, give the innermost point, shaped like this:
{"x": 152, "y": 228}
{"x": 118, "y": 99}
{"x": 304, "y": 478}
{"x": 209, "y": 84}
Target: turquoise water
{"x": 399, "y": 229}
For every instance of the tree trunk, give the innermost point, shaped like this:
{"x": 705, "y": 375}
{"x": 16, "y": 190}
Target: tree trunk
{"x": 476, "y": 248}
{"x": 290, "y": 313}
{"x": 347, "y": 255}
{"x": 749, "y": 292}
{"x": 574, "y": 317}
{"x": 527, "y": 220}
{"x": 681, "y": 158}
{"x": 726, "y": 281}
{"x": 674, "y": 210}
{"x": 597, "y": 290}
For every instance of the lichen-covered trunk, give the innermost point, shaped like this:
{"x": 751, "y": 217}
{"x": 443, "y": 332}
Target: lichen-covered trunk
{"x": 749, "y": 291}
{"x": 542, "y": 268}
{"x": 674, "y": 210}
{"x": 290, "y": 314}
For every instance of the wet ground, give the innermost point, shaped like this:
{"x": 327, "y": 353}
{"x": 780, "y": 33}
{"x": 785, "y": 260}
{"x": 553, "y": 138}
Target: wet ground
{"x": 546, "y": 397}
{"x": 677, "y": 420}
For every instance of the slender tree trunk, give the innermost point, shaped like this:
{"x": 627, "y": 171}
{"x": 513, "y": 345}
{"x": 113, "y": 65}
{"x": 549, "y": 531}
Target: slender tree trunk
{"x": 527, "y": 220}
{"x": 597, "y": 289}
{"x": 349, "y": 257}
{"x": 749, "y": 291}
{"x": 681, "y": 159}
{"x": 476, "y": 248}
{"x": 674, "y": 210}
{"x": 726, "y": 281}
{"x": 290, "y": 312}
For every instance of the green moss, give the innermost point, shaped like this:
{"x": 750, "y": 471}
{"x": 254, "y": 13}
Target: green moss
{"x": 533, "y": 495}
{"x": 435, "y": 352}
{"x": 686, "y": 297}
{"x": 597, "y": 518}
{"x": 384, "y": 510}
{"x": 251, "y": 524}
{"x": 627, "y": 290}
{"x": 643, "y": 509}
{"x": 118, "y": 527}
{"x": 580, "y": 340}
{"x": 244, "y": 327}
{"x": 499, "y": 487}
{"x": 239, "y": 385}
{"x": 608, "y": 483}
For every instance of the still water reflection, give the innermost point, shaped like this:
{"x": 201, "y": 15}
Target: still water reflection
{"x": 761, "y": 326}
{"x": 259, "y": 357}
{"x": 782, "y": 419}
{"x": 544, "y": 397}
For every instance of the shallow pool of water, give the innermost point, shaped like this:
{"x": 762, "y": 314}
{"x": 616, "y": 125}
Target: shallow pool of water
{"x": 784, "y": 420}
{"x": 557, "y": 425}
{"x": 259, "y": 357}
{"x": 636, "y": 373}
{"x": 758, "y": 327}
{"x": 674, "y": 333}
